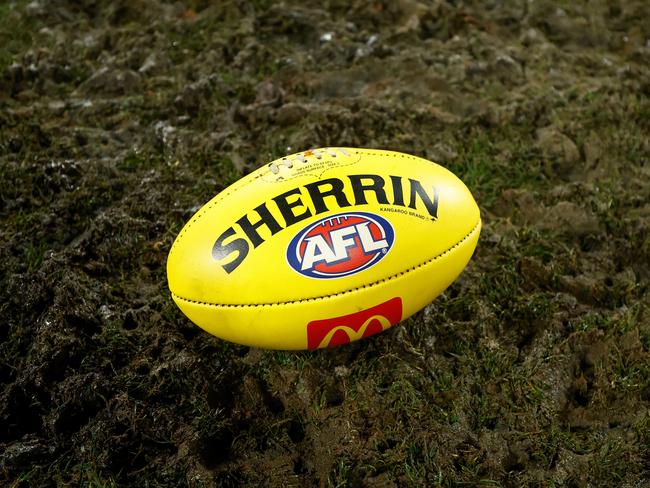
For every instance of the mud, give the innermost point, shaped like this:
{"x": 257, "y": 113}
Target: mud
{"x": 118, "y": 120}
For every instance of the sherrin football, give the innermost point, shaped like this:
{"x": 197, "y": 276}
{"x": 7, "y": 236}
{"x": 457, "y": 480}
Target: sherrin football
{"x": 322, "y": 248}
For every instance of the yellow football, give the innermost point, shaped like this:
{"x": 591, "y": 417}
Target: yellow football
{"x": 322, "y": 248}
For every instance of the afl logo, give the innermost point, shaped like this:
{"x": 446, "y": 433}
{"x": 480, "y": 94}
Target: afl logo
{"x": 340, "y": 245}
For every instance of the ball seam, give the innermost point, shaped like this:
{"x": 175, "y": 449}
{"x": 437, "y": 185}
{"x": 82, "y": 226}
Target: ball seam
{"x": 345, "y": 292}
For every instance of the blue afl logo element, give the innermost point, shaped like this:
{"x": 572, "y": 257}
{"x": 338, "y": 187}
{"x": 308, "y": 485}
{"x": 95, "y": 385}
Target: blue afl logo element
{"x": 340, "y": 245}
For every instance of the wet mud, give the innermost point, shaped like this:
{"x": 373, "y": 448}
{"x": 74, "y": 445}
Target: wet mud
{"x": 118, "y": 120}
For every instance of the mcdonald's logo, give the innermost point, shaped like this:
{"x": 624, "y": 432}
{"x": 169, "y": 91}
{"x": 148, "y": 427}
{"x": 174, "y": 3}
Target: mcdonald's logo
{"x": 348, "y": 328}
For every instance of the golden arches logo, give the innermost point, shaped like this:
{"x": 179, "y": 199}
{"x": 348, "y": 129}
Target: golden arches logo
{"x": 355, "y": 335}
{"x": 352, "y": 327}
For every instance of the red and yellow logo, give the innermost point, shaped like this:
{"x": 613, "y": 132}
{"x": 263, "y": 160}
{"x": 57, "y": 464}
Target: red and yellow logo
{"x": 348, "y": 328}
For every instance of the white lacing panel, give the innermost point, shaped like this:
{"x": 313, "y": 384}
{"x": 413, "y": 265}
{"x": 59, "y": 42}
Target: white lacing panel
{"x": 302, "y": 157}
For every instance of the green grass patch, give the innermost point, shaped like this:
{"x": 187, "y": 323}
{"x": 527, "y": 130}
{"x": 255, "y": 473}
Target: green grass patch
{"x": 18, "y": 32}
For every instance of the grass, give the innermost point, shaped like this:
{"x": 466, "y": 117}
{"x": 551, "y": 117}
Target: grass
{"x": 487, "y": 170}
{"x": 95, "y": 480}
{"x": 495, "y": 363}
{"x": 18, "y": 32}
{"x": 34, "y": 255}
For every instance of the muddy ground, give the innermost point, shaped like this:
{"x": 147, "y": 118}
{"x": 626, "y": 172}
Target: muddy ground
{"x": 118, "y": 120}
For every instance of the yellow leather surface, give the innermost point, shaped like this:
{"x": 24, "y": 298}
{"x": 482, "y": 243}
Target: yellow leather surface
{"x": 263, "y": 301}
